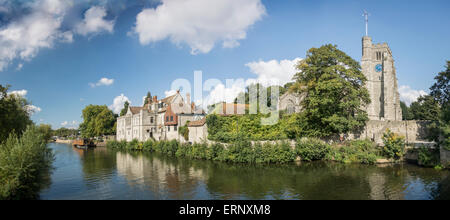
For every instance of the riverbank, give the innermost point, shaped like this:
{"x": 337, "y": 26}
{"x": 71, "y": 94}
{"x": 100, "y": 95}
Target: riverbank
{"x": 25, "y": 165}
{"x": 357, "y": 151}
{"x": 104, "y": 173}
{"x": 59, "y": 141}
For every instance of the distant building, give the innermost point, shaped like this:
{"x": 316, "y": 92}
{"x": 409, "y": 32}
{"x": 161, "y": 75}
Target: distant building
{"x": 158, "y": 120}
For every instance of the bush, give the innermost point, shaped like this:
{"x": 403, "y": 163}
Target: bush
{"x": 312, "y": 149}
{"x": 428, "y": 157}
{"x": 394, "y": 145}
{"x": 357, "y": 151}
{"x": 25, "y": 164}
{"x": 118, "y": 145}
{"x": 274, "y": 153}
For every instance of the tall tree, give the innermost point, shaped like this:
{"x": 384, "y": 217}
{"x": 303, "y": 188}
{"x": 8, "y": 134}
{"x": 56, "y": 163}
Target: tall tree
{"x": 147, "y": 98}
{"x": 335, "y": 91}
{"x": 14, "y": 114}
{"x": 46, "y": 131}
{"x": 97, "y": 120}
{"x": 441, "y": 88}
{"x": 425, "y": 108}
{"x": 406, "y": 112}
{"x": 441, "y": 93}
{"x": 125, "y": 108}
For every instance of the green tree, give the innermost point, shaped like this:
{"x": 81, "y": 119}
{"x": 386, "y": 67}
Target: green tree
{"x": 147, "y": 98}
{"x": 335, "y": 91}
{"x": 441, "y": 93}
{"x": 125, "y": 108}
{"x": 406, "y": 112}
{"x": 425, "y": 108}
{"x": 97, "y": 120}
{"x": 14, "y": 114}
{"x": 46, "y": 131}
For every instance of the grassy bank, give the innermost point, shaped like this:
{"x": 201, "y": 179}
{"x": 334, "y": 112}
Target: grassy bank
{"x": 269, "y": 153}
{"x": 25, "y": 163}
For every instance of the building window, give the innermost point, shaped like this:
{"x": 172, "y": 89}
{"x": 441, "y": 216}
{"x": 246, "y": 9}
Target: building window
{"x": 175, "y": 128}
{"x": 171, "y": 118}
{"x": 151, "y": 120}
{"x": 167, "y": 118}
{"x": 168, "y": 128}
{"x": 379, "y": 56}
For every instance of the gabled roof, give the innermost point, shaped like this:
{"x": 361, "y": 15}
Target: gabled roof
{"x": 168, "y": 100}
{"x": 135, "y": 110}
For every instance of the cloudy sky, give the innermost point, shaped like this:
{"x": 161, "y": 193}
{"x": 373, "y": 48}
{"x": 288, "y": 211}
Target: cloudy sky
{"x": 64, "y": 54}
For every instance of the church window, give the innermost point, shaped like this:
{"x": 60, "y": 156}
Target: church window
{"x": 378, "y": 55}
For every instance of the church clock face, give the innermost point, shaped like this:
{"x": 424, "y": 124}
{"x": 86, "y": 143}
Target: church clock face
{"x": 378, "y": 68}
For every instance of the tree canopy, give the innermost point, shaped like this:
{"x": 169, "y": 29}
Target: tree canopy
{"x": 335, "y": 91}
{"x": 147, "y": 98}
{"x": 125, "y": 108}
{"x": 14, "y": 114}
{"x": 97, "y": 120}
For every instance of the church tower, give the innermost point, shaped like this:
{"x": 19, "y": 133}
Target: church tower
{"x": 378, "y": 66}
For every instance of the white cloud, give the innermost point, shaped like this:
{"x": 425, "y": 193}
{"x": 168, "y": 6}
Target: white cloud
{"x": 71, "y": 125}
{"x": 23, "y": 38}
{"x": 222, "y": 93}
{"x": 118, "y": 103}
{"x": 102, "y": 82}
{"x": 409, "y": 95}
{"x": 94, "y": 22}
{"x": 170, "y": 93}
{"x": 199, "y": 23}
{"x": 22, "y": 92}
{"x": 274, "y": 72}
{"x": 31, "y": 109}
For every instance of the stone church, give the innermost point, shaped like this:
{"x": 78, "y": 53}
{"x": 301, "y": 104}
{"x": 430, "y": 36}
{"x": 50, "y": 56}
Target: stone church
{"x": 378, "y": 66}
{"x": 384, "y": 111}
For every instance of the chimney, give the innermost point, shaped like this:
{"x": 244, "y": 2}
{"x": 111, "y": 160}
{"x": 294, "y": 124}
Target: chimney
{"x": 188, "y": 98}
{"x": 155, "y": 99}
{"x": 193, "y": 107}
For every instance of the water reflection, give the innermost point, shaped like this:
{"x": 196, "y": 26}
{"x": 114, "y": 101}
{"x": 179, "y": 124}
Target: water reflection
{"x": 106, "y": 174}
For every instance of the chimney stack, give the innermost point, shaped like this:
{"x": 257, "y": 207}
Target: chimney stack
{"x": 155, "y": 99}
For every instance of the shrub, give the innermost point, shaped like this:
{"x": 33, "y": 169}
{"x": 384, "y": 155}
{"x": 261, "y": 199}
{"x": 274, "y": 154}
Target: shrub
{"x": 394, "y": 145}
{"x": 25, "y": 163}
{"x": 119, "y": 145}
{"x": 312, "y": 149}
{"x": 428, "y": 157}
{"x": 356, "y": 151}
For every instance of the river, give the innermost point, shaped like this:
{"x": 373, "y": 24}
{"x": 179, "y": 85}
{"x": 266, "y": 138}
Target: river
{"x": 101, "y": 173}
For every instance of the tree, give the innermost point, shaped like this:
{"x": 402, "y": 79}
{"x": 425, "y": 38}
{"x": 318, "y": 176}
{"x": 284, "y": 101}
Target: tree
{"x": 335, "y": 91}
{"x": 441, "y": 88}
{"x": 46, "y": 131}
{"x": 406, "y": 112}
{"x": 125, "y": 108}
{"x": 441, "y": 93}
{"x": 97, "y": 120}
{"x": 14, "y": 114}
{"x": 149, "y": 97}
{"x": 425, "y": 108}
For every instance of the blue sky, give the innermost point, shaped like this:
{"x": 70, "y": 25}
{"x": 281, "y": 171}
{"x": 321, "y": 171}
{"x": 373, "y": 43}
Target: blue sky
{"x": 85, "y": 41}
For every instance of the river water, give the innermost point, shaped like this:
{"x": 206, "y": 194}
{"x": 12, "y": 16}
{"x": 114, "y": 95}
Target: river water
{"x": 101, "y": 173}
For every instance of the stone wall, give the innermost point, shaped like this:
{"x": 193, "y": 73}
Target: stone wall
{"x": 415, "y": 132}
{"x": 445, "y": 157}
